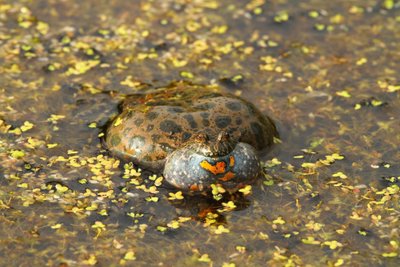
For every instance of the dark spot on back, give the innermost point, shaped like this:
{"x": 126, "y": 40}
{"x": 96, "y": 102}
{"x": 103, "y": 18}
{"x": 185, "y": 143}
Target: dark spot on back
{"x": 169, "y": 126}
{"x": 150, "y": 127}
{"x": 204, "y": 115}
{"x": 155, "y": 137}
{"x": 186, "y": 136}
{"x": 205, "y": 106}
{"x": 238, "y": 121}
{"x": 115, "y": 140}
{"x": 176, "y": 109}
{"x": 127, "y": 130}
{"x": 151, "y": 115}
{"x": 190, "y": 120}
{"x": 222, "y": 121}
{"x": 206, "y": 121}
{"x": 138, "y": 122}
{"x": 235, "y": 106}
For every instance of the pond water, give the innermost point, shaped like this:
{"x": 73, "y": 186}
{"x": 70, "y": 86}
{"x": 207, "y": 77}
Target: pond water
{"x": 326, "y": 71}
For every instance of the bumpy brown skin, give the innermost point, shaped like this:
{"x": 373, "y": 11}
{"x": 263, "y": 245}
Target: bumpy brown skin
{"x": 154, "y": 124}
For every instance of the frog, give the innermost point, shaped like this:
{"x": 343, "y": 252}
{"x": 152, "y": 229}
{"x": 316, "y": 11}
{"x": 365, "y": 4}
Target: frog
{"x": 195, "y": 135}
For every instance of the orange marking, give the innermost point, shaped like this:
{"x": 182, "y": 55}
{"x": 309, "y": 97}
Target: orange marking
{"x": 218, "y": 168}
{"x": 204, "y": 212}
{"x": 231, "y": 161}
{"x": 228, "y": 176}
{"x": 194, "y": 187}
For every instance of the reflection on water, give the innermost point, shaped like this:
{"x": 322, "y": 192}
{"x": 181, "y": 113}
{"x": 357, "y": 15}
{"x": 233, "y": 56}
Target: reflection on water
{"x": 327, "y": 72}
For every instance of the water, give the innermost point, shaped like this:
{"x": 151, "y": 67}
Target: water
{"x": 326, "y": 72}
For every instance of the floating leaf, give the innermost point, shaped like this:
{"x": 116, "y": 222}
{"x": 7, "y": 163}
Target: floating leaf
{"x": 340, "y": 175}
{"x": 56, "y": 226}
{"x": 152, "y": 199}
{"x": 61, "y": 189}
{"x": 82, "y": 67}
{"x": 26, "y": 126}
{"x": 281, "y": 16}
{"x": 161, "y": 228}
{"x": 130, "y": 256}
{"x": 228, "y": 206}
{"x": 339, "y": 262}
{"x": 246, "y": 190}
{"x": 279, "y": 220}
{"x": 343, "y": 93}
{"x": 175, "y": 196}
{"x": 221, "y": 230}
{"x": 310, "y": 240}
{"x": 173, "y": 224}
{"x": 204, "y": 258}
{"x": 98, "y": 225}
{"x": 91, "y": 261}
{"x": 117, "y": 121}
{"x": 389, "y": 254}
{"x": 333, "y": 244}
{"x": 52, "y": 145}
{"x": 17, "y": 154}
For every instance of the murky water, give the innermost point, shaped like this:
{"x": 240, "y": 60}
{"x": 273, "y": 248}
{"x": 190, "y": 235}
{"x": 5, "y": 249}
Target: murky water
{"x": 326, "y": 71}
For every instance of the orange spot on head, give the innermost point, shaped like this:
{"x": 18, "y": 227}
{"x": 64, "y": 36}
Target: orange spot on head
{"x": 231, "y": 161}
{"x": 228, "y": 176}
{"x": 218, "y": 168}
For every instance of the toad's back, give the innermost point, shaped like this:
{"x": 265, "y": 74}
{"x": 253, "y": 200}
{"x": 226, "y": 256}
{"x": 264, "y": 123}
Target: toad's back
{"x": 153, "y": 124}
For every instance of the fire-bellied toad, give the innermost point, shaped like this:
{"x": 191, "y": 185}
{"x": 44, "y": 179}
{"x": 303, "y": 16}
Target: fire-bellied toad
{"x": 196, "y": 134}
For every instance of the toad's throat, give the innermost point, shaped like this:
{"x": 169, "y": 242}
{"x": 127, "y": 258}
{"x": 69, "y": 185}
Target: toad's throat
{"x": 220, "y": 168}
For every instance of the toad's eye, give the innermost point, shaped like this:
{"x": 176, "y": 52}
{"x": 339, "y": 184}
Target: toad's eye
{"x": 187, "y": 169}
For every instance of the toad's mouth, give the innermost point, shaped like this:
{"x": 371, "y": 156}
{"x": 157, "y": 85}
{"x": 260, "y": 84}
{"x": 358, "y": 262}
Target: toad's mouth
{"x": 221, "y": 146}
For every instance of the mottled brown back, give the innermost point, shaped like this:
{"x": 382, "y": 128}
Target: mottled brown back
{"x": 154, "y": 124}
